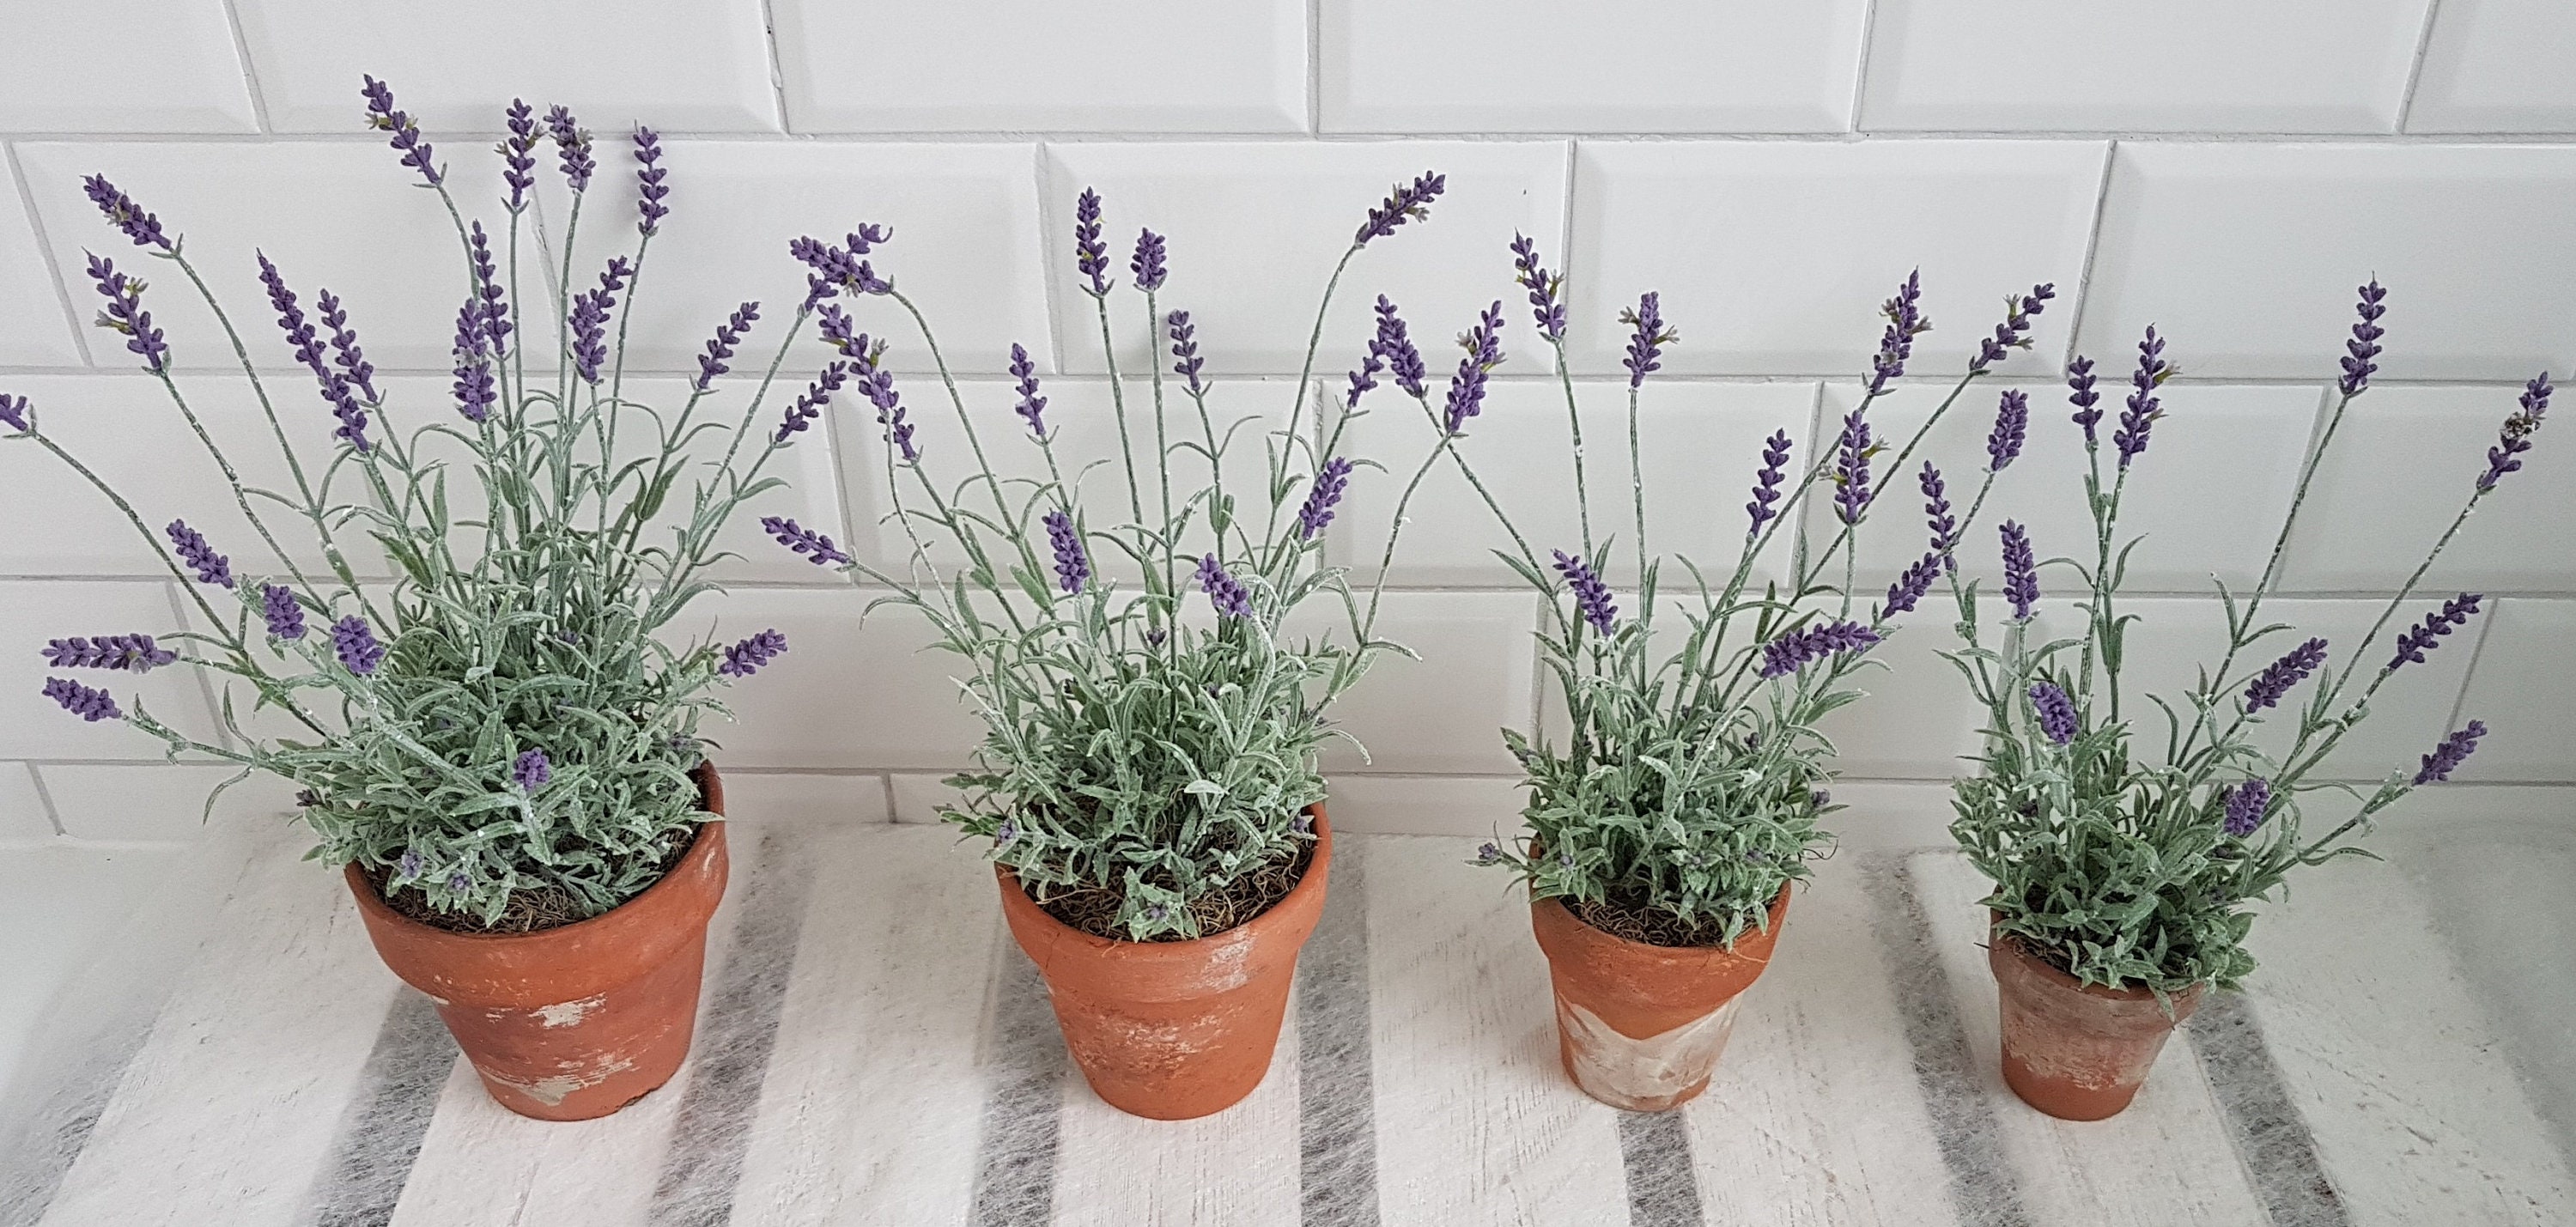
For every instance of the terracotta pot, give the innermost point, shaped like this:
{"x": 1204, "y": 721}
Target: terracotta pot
{"x": 1174, "y": 1030}
{"x": 2076, "y": 1051}
{"x": 576, "y": 1021}
{"x": 1638, "y": 1026}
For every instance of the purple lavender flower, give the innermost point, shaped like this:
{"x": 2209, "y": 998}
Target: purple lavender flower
{"x": 2012, "y": 425}
{"x": 2247, "y": 805}
{"x": 1148, "y": 262}
{"x": 1185, "y": 350}
{"x": 530, "y": 771}
{"x": 82, "y": 701}
{"x": 2141, "y": 414}
{"x": 2506, "y": 456}
{"x": 356, "y": 645}
{"x": 285, "y": 615}
{"x": 1908, "y": 590}
{"x": 1322, "y": 497}
{"x": 1766, "y": 482}
{"x": 2276, "y": 679}
{"x": 1851, "y": 469}
{"x": 382, "y": 117}
{"x": 345, "y": 354}
{"x": 1488, "y": 853}
{"x": 2021, "y": 573}
{"x": 1936, "y": 511}
{"x": 1800, "y": 648}
{"x": 720, "y": 347}
{"x": 124, "y": 214}
{"x": 1364, "y": 379}
{"x": 409, "y": 865}
{"x": 1005, "y": 833}
{"x": 809, "y": 406}
{"x": 2422, "y": 638}
{"x": 2014, "y": 332}
{"x": 1224, "y": 591}
{"x": 1591, "y": 596}
{"x": 572, "y": 144}
{"x": 1647, "y": 337}
{"x": 2057, "y": 719}
{"x": 1032, "y": 407}
{"x": 2438, "y": 765}
{"x": 2080, "y": 393}
{"x": 649, "y": 188}
{"x": 875, "y": 382}
{"x": 1545, "y": 288}
{"x": 817, "y": 548}
{"x": 1403, "y": 362}
{"x": 1089, "y": 254}
{"x": 474, "y": 389}
{"x": 460, "y": 881}
{"x": 1072, "y": 565}
{"x": 747, "y": 657}
{"x": 1403, "y": 202}
{"x": 211, "y": 567}
{"x": 128, "y": 653}
{"x": 307, "y": 344}
{"x": 1484, "y": 346}
{"x": 13, "y": 412}
{"x": 1905, "y": 321}
{"x": 589, "y": 319}
{"x": 519, "y": 155}
{"x": 2364, "y": 345}
{"x": 494, "y": 308}
{"x": 125, "y": 316}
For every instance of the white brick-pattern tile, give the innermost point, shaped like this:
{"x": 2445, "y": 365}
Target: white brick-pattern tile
{"x": 841, "y": 695}
{"x": 158, "y": 802}
{"x": 33, "y": 328}
{"x": 39, "y": 612}
{"x": 172, "y": 68}
{"x": 24, "y": 817}
{"x": 1444, "y": 711}
{"x": 2492, "y": 66}
{"x": 2525, "y": 690}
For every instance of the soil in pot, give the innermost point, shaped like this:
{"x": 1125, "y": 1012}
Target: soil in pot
{"x": 1641, "y": 1026}
{"x": 577, "y": 1020}
{"x": 1174, "y": 1030}
{"x": 2072, "y": 1050}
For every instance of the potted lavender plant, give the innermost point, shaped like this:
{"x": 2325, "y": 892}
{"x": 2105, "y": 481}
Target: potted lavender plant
{"x": 499, "y": 745}
{"x": 1665, "y": 830}
{"x": 1148, "y": 781}
{"x": 2124, "y": 884}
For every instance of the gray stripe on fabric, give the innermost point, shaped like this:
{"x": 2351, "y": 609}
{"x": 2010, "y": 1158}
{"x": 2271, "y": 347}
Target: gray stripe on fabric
{"x": 1655, "y": 1150}
{"x": 2271, "y": 1136}
{"x": 1983, "y": 1192}
{"x": 735, "y": 1038}
{"x": 1015, "y": 1166}
{"x": 1336, "y": 1085}
{"x": 380, "y": 1132}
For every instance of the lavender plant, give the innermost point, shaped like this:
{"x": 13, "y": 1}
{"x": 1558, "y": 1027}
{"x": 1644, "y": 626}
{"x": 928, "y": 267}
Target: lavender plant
{"x": 1689, "y": 788}
{"x": 1149, "y": 753}
{"x": 502, "y": 733}
{"x": 2133, "y": 872}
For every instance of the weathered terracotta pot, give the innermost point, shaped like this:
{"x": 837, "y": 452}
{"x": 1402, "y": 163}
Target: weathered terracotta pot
{"x": 2076, "y": 1051}
{"x": 1638, "y": 1026}
{"x": 576, "y": 1021}
{"x": 1174, "y": 1030}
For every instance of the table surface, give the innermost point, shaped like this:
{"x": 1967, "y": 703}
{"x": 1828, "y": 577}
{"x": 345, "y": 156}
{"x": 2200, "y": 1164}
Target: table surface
{"x": 873, "y": 1050}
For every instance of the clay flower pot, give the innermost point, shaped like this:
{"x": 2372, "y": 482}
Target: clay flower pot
{"x": 1174, "y": 1030}
{"x": 1638, "y": 1026}
{"x": 576, "y": 1021}
{"x": 2076, "y": 1051}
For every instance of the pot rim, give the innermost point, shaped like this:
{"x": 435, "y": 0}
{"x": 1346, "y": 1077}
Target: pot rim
{"x": 701, "y": 847}
{"x": 1776, "y": 915}
{"x": 2013, "y": 948}
{"x": 1059, "y": 931}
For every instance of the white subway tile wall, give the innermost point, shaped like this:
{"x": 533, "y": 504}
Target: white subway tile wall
{"x": 1773, "y": 171}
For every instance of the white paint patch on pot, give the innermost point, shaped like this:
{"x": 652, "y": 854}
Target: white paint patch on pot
{"x": 568, "y": 1013}
{"x": 1644, "y": 1075}
{"x": 554, "y": 1090}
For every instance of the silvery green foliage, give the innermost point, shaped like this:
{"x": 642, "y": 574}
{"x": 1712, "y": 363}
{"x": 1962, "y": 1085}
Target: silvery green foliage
{"x": 2137, "y": 872}
{"x": 510, "y": 712}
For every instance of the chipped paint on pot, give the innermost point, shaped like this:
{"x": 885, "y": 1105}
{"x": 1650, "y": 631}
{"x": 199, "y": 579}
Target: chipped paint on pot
{"x": 2076, "y": 1051}
{"x": 1174, "y": 1030}
{"x": 1638, "y": 1026}
{"x": 576, "y": 1021}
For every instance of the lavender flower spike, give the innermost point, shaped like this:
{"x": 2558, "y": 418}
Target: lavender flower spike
{"x": 518, "y": 155}
{"x": 2268, "y": 687}
{"x": 1403, "y": 362}
{"x": 1936, "y": 511}
{"x": 649, "y": 188}
{"x": 2141, "y": 414}
{"x": 817, "y": 548}
{"x": 1798, "y": 649}
{"x": 1185, "y": 350}
{"x": 1484, "y": 346}
{"x": 746, "y": 658}
{"x": 572, "y": 143}
{"x": 82, "y": 701}
{"x": 125, "y": 316}
{"x": 1766, "y": 483}
{"x": 127, "y": 216}
{"x": 2364, "y": 345}
{"x": 1546, "y": 289}
{"x": 1322, "y": 497}
{"x": 1591, "y": 596}
{"x": 1072, "y": 565}
{"x": 356, "y": 645}
{"x": 345, "y": 353}
{"x": 2057, "y": 719}
{"x": 588, "y": 319}
{"x": 2012, "y": 426}
{"x": 474, "y": 388}
{"x": 1224, "y": 591}
{"x": 1364, "y": 380}
{"x": 2422, "y": 638}
{"x": 2247, "y": 804}
{"x": 1647, "y": 337}
{"x": 127, "y": 653}
{"x": 1905, "y": 321}
{"x": 1404, "y": 203}
{"x": 720, "y": 347}
{"x": 2021, "y": 573}
{"x": 2014, "y": 332}
{"x": 2080, "y": 393}
{"x": 1148, "y": 261}
{"x": 809, "y": 406}
{"x": 1032, "y": 407}
{"x": 382, "y": 117}
{"x": 13, "y": 412}
{"x": 2445, "y": 758}
{"x": 1909, "y": 588}
{"x": 1851, "y": 469}
{"x": 2506, "y": 456}
{"x": 285, "y": 616}
{"x": 1088, "y": 253}
{"x": 211, "y": 567}
{"x": 530, "y": 771}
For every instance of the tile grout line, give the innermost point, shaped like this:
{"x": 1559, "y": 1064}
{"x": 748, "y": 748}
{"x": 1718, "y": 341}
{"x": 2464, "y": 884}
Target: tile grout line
{"x": 2415, "y": 68}
{"x": 1314, "y": 67}
{"x": 2268, "y": 1132}
{"x": 45, "y": 797}
{"x": 2547, "y": 139}
{"x": 777, "y": 64}
{"x": 16, "y": 168}
{"x": 1336, "y": 1087}
{"x": 2469, "y": 676}
{"x": 250, "y": 74}
{"x": 1860, "y": 65}
{"x": 2092, "y": 252}
{"x": 380, "y": 1132}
